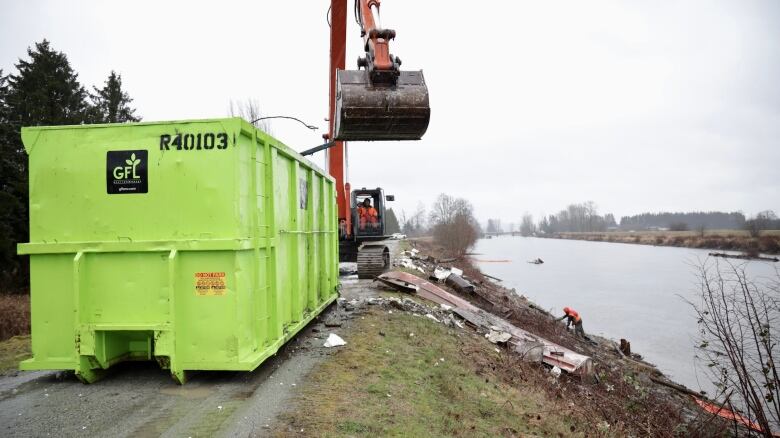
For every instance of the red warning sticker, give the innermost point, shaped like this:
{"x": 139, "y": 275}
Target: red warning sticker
{"x": 210, "y": 283}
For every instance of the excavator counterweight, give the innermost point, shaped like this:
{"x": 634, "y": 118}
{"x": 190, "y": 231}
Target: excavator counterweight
{"x": 367, "y": 111}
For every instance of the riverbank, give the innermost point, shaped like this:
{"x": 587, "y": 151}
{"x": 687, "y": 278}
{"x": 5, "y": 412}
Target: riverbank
{"x": 726, "y": 240}
{"x": 388, "y": 379}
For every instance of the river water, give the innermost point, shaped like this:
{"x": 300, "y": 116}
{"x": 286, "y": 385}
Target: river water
{"x": 621, "y": 291}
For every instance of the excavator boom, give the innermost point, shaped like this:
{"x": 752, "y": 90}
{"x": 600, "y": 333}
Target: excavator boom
{"x": 377, "y": 101}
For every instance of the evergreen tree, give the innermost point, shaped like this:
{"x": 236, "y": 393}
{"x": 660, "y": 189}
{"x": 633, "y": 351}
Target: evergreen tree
{"x": 44, "y": 91}
{"x": 391, "y": 222}
{"x": 111, "y": 104}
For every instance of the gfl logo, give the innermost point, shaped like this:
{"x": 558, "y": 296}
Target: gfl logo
{"x": 129, "y": 170}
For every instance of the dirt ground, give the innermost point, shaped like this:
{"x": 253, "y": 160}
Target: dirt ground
{"x": 141, "y": 400}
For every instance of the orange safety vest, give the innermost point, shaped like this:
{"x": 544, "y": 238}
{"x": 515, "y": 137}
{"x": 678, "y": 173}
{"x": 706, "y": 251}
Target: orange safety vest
{"x": 573, "y": 313}
{"x": 368, "y": 214}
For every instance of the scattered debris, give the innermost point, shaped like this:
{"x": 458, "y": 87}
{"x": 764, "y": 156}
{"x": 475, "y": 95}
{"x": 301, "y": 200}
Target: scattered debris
{"x": 528, "y": 343}
{"x": 498, "y": 337}
{"x": 347, "y": 268}
{"x": 459, "y": 284}
{"x": 408, "y": 263}
{"x": 398, "y": 284}
{"x": 429, "y": 316}
{"x": 536, "y": 261}
{"x": 556, "y": 372}
{"x": 530, "y": 346}
{"x": 492, "y": 277}
{"x": 334, "y": 340}
{"x": 441, "y": 274}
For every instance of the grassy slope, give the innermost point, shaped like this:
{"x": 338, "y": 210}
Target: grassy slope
{"x": 435, "y": 383}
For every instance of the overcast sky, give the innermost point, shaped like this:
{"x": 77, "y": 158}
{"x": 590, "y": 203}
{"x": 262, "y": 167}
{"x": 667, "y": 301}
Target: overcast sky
{"x": 638, "y": 106}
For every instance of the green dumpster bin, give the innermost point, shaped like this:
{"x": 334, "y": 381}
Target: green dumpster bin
{"x": 203, "y": 245}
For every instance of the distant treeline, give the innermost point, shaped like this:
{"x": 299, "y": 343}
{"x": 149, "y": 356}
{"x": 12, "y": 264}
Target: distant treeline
{"x": 584, "y": 217}
{"x": 43, "y": 90}
{"x": 711, "y": 220}
{"x": 575, "y": 218}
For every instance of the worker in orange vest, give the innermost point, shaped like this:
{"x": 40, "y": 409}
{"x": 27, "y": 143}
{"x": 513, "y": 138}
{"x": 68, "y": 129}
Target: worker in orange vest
{"x": 367, "y": 215}
{"x": 572, "y": 317}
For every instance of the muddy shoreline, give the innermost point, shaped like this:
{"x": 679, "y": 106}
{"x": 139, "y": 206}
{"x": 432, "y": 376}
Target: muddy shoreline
{"x": 768, "y": 244}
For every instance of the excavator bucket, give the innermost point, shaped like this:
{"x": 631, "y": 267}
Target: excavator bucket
{"x": 367, "y": 112}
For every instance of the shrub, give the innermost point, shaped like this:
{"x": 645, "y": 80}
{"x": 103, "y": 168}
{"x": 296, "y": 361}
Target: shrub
{"x": 14, "y": 316}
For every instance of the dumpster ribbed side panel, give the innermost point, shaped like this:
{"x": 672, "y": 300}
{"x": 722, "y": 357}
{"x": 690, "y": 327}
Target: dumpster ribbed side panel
{"x": 203, "y": 245}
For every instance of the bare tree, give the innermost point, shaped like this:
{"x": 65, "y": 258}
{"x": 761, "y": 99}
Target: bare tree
{"x": 527, "y": 227}
{"x": 414, "y": 224}
{"x": 249, "y": 110}
{"x": 738, "y": 322}
{"x": 762, "y": 221}
{"x": 454, "y": 225}
{"x": 494, "y": 226}
{"x": 446, "y": 207}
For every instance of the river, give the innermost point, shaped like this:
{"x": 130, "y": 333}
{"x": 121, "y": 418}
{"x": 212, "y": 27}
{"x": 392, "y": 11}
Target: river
{"x": 621, "y": 291}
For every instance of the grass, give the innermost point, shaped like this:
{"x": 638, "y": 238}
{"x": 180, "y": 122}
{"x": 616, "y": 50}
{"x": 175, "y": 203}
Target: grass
{"x": 436, "y": 382}
{"x": 14, "y": 316}
{"x": 14, "y": 331}
{"x": 13, "y": 351}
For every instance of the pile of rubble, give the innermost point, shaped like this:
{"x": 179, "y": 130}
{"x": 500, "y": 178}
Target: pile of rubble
{"x": 436, "y": 270}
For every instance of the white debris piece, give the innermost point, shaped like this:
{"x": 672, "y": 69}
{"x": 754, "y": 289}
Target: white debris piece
{"x": 445, "y": 307}
{"x": 498, "y": 337}
{"x": 334, "y": 340}
{"x": 456, "y": 271}
{"x": 441, "y": 274}
{"x": 406, "y": 262}
{"x": 429, "y": 316}
{"x": 555, "y": 371}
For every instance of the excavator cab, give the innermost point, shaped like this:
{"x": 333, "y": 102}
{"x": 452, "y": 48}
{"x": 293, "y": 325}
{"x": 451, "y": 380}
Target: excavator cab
{"x": 368, "y": 214}
{"x": 364, "y": 245}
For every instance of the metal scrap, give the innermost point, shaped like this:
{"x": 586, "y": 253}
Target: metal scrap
{"x": 459, "y": 283}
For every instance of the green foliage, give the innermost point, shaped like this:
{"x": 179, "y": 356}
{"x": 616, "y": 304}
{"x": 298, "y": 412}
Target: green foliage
{"x": 391, "y": 222}
{"x": 111, "y": 104}
{"x": 44, "y": 91}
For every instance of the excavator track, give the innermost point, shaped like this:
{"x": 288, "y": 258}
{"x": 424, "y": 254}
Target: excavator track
{"x": 372, "y": 260}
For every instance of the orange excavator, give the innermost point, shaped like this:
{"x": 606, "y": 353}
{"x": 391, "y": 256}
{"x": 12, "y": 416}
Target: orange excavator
{"x": 376, "y": 102}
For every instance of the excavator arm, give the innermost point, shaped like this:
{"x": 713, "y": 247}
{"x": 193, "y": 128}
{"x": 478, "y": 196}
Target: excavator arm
{"x": 383, "y": 67}
{"x": 376, "y": 102}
